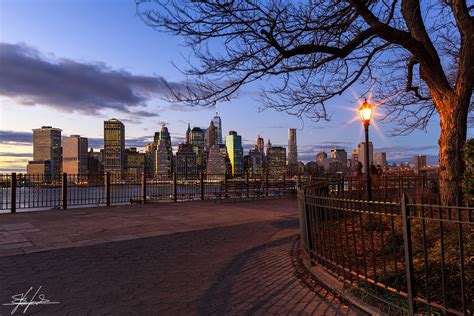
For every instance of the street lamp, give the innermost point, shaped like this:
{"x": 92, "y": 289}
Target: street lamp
{"x": 365, "y": 111}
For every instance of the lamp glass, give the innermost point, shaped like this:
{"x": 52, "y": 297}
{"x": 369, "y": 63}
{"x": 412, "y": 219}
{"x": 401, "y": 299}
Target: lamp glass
{"x": 365, "y": 112}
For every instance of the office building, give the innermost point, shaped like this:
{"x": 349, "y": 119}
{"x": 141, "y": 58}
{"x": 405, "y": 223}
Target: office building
{"x": 340, "y": 156}
{"x": 46, "y": 153}
{"x": 75, "y": 155}
{"x": 380, "y": 159}
{"x": 211, "y": 136}
{"x": 135, "y": 163}
{"x": 94, "y": 164}
{"x": 260, "y": 143}
{"x": 188, "y": 135}
{"x": 164, "y": 155}
{"x": 217, "y": 163}
{"x": 419, "y": 163}
{"x": 276, "y": 161}
{"x": 197, "y": 138}
{"x": 236, "y": 153}
{"x": 256, "y": 161}
{"x": 361, "y": 155}
{"x": 114, "y": 148}
{"x": 186, "y": 165}
{"x": 216, "y": 120}
{"x": 292, "y": 147}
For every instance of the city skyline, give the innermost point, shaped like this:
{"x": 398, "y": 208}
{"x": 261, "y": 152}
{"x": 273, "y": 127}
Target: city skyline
{"x": 143, "y": 109}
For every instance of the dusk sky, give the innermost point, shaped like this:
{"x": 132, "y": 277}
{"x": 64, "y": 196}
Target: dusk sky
{"x": 73, "y": 64}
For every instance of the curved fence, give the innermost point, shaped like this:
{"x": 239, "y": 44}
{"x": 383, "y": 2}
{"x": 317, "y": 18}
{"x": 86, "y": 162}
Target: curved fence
{"x": 412, "y": 257}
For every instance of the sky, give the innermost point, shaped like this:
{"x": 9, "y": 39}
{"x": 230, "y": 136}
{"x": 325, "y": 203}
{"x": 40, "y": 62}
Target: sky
{"x": 73, "y": 64}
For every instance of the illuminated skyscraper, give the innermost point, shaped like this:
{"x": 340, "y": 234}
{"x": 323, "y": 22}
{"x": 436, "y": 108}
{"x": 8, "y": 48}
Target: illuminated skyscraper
{"x": 218, "y": 124}
{"x": 197, "y": 138}
{"x": 164, "y": 155}
{"x": 260, "y": 143}
{"x": 292, "y": 147}
{"x": 186, "y": 167}
{"x": 276, "y": 161}
{"x": 236, "y": 153}
{"x": 114, "y": 147}
{"x": 46, "y": 152}
{"x": 75, "y": 155}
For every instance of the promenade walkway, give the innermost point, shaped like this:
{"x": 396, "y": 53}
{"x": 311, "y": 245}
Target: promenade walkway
{"x": 190, "y": 258}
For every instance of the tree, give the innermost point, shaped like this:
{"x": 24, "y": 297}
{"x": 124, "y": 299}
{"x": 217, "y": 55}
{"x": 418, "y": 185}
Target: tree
{"x": 416, "y": 57}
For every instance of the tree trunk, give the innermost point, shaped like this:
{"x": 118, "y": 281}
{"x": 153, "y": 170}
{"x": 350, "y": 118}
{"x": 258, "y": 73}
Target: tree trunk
{"x": 453, "y": 121}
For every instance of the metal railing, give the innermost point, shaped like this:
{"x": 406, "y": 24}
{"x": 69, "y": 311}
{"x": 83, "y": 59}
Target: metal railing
{"x": 413, "y": 257}
{"x": 37, "y": 192}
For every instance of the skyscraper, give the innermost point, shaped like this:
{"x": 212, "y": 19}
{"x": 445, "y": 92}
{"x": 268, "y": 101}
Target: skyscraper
{"x": 188, "y": 135}
{"x": 419, "y": 163}
{"x": 255, "y": 161}
{"x": 217, "y": 163}
{"x": 380, "y": 159}
{"x": 46, "y": 152}
{"x": 114, "y": 147}
{"x": 186, "y": 167}
{"x": 75, "y": 155}
{"x": 276, "y": 161}
{"x": 260, "y": 143}
{"x": 218, "y": 124}
{"x": 164, "y": 155}
{"x": 211, "y": 136}
{"x": 292, "y": 147}
{"x": 361, "y": 155}
{"x": 197, "y": 138}
{"x": 235, "y": 152}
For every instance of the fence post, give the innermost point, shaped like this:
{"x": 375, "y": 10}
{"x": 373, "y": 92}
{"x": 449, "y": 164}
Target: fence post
{"x": 201, "y": 182}
{"x": 408, "y": 254}
{"x": 247, "y": 183}
{"x": 266, "y": 182}
{"x": 175, "y": 188}
{"x": 225, "y": 185}
{"x": 144, "y": 187}
{"x": 13, "y": 193}
{"x": 107, "y": 188}
{"x": 64, "y": 190}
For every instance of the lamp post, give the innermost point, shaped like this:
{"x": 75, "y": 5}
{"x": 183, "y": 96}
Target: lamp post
{"x": 365, "y": 112}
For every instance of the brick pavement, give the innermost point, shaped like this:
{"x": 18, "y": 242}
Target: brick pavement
{"x": 224, "y": 259}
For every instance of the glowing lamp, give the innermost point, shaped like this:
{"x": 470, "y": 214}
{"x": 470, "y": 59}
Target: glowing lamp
{"x": 365, "y": 112}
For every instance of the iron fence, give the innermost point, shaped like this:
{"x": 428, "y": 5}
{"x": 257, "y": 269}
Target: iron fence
{"x": 36, "y": 192}
{"x": 413, "y": 257}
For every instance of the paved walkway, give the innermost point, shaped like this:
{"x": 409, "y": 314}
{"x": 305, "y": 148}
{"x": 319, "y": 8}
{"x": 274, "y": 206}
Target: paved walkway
{"x": 194, "y": 258}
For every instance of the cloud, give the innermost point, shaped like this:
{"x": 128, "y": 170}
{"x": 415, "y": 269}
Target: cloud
{"x": 15, "y": 138}
{"x": 19, "y": 155}
{"x": 29, "y": 78}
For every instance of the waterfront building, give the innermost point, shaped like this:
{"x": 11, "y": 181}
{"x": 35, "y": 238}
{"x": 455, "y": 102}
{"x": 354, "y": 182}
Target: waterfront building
{"x": 361, "y": 155}
{"x": 292, "y": 147}
{"x": 276, "y": 161}
{"x": 94, "y": 164}
{"x": 197, "y": 138}
{"x": 188, "y": 135}
{"x": 236, "y": 153}
{"x": 260, "y": 143}
{"x": 46, "y": 153}
{"x": 217, "y": 163}
{"x": 419, "y": 163}
{"x": 211, "y": 136}
{"x": 114, "y": 148}
{"x": 75, "y": 155}
{"x": 186, "y": 162}
{"x": 340, "y": 156}
{"x": 380, "y": 159}
{"x": 256, "y": 161}
{"x": 216, "y": 120}
{"x": 135, "y": 163}
{"x": 164, "y": 155}
{"x": 354, "y": 159}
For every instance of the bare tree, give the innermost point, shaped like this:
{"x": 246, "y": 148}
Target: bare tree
{"x": 418, "y": 58}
